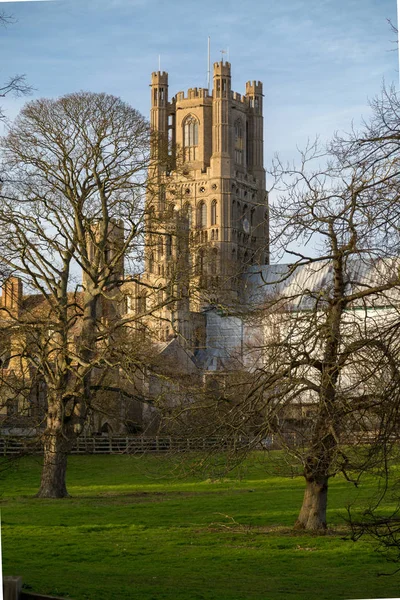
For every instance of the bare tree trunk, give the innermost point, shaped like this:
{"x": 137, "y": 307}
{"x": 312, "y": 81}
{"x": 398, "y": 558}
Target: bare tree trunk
{"x": 312, "y": 516}
{"x": 56, "y": 448}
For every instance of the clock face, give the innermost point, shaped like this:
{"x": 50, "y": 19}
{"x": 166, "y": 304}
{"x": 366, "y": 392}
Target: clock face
{"x": 246, "y": 226}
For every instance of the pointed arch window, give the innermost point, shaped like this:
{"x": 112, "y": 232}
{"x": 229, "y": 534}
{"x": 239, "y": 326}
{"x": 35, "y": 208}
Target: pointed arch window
{"x": 214, "y": 212}
{"x": 239, "y": 143}
{"x": 202, "y": 215}
{"x": 191, "y": 137}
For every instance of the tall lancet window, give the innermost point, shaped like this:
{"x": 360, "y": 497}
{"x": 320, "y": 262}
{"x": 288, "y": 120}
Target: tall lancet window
{"x": 202, "y": 215}
{"x": 214, "y": 212}
{"x": 191, "y": 137}
{"x": 239, "y": 143}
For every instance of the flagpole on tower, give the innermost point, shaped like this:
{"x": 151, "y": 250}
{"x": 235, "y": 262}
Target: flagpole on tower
{"x": 209, "y": 63}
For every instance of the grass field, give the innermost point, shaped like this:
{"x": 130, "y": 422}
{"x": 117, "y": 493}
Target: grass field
{"x": 131, "y": 530}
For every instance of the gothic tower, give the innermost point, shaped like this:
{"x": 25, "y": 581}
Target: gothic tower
{"x": 207, "y": 211}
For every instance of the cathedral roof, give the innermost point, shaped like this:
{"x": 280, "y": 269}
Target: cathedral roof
{"x": 304, "y": 285}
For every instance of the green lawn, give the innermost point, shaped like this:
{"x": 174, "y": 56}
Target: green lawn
{"x": 130, "y": 531}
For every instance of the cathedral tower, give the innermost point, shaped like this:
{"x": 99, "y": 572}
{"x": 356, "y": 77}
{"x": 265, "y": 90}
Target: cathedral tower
{"x": 208, "y": 213}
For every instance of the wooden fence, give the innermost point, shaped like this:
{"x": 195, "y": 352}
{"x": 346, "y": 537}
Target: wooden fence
{"x": 14, "y": 446}
{"x": 123, "y": 445}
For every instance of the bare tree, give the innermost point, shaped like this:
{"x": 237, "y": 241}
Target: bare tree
{"x": 335, "y": 351}
{"x": 379, "y": 145}
{"x": 327, "y": 345}
{"x": 75, "y": 177}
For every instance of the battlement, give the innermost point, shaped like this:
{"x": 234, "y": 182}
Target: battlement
{"x": 159, "y": 78}
{"x": 254, "y": 88}
{"x": 222, "y": 69}
{"x": 197, "y": 92}
{"x": 238, "y": 97}
{"x": 192, "y": 93}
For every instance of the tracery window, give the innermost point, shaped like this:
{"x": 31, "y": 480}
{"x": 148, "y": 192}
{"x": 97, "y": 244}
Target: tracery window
{"x": 191, "y": 137}
{"x": 239, "y": 145}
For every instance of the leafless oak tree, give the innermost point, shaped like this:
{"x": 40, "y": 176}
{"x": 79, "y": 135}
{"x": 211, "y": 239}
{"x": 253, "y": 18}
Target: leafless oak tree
{"x": 75, "y": 177}
{"x": 336, "y": 349}
{"x": 328, "y": 344}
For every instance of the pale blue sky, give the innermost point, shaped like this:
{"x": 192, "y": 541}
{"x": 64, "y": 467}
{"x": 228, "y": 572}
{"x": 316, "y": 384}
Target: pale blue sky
{"x": 319, "y": 60}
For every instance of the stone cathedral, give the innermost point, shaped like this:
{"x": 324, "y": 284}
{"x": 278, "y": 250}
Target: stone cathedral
{"x": 206, "y": 227}
{"x": 207, "y": 209}
{"x": 206, "y": 263}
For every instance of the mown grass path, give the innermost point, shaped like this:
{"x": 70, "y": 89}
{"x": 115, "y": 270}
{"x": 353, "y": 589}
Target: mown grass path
{"x": 132, "y": 531}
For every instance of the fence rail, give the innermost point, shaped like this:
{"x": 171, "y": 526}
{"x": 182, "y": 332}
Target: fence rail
{"x": 13, "y": 446}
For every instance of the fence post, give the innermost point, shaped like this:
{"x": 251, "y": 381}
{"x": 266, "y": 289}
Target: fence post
{"x": 12, "y": 587}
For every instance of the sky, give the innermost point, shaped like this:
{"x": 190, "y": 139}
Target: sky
{"x": 319, "y": 60}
